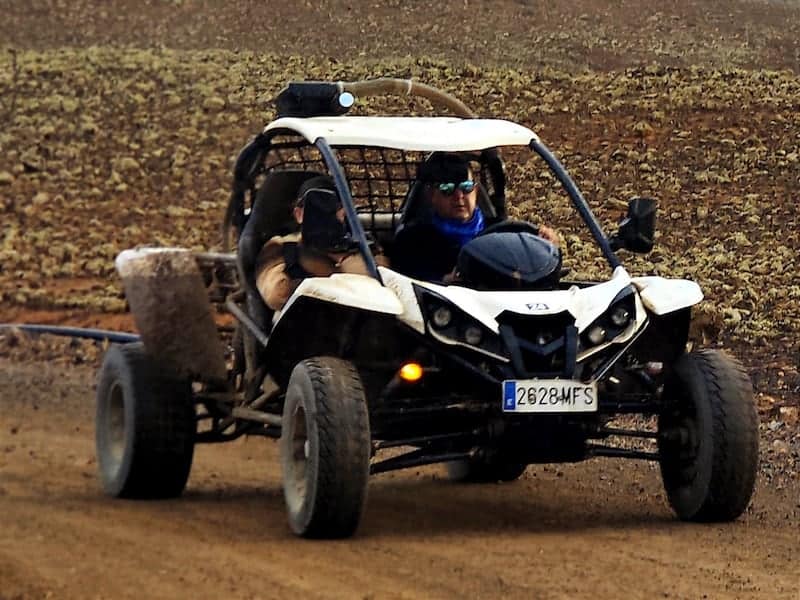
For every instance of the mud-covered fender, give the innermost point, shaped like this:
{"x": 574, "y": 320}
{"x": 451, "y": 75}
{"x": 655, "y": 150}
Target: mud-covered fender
{"x": 663, "y": 296}
{"x": 169, "y": 302}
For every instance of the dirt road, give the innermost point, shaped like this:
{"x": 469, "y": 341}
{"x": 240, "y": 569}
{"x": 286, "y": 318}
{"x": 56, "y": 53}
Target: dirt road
{"x": 596, "y": 530}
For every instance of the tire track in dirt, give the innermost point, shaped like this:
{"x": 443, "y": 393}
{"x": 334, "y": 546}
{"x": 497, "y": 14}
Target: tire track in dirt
{"x": 598, "y": 529}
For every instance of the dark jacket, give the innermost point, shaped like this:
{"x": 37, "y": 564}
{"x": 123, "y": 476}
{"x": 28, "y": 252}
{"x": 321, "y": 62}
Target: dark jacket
{"x": 423, "y": 252}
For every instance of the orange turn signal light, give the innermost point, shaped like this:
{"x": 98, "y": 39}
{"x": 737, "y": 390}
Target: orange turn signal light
{"x": 411, "y": 372}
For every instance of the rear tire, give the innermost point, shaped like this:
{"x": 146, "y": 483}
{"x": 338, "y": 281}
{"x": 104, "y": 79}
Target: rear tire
{"x": 145, "y": 426}
{"x": 708, "y": 438}
{"x": 493, "y": 470}
{"x": 325, "y": 448}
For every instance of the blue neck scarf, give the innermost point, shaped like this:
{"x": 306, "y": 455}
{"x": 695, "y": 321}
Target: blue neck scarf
{"x": 460, "y": 232}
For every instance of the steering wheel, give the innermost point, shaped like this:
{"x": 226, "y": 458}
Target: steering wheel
{"x": 511, "y": 226}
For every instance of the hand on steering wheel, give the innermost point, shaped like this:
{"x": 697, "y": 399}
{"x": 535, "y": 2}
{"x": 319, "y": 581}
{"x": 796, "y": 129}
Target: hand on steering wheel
{"x": 550, "y": 234}
{"x": 544, "y": 232}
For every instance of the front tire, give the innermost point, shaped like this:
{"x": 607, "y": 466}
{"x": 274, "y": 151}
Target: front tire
{"x": 325, "y": 448}
{"x": 708, "y": 438}
{"x": 145, "y": 426}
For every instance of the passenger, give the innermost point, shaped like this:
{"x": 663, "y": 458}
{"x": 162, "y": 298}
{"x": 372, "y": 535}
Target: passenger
{"x": 428, "y": 249}
{"x": 321, "y": 247}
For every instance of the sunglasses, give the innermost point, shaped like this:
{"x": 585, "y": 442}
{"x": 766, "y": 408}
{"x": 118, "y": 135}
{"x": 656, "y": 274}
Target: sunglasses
{"x": 448, "y": 189}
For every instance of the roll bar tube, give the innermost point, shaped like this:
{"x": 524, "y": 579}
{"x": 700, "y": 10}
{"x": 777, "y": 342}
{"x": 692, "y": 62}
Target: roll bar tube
{"x": 257, "y": 147}
{"x": 243, "y": 172}
{"x": 336, "y": 171}
{"x": 391, "y": 85}
{"x": 577, "y": 200}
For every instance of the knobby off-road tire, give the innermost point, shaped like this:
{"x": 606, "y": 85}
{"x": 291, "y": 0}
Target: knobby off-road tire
{"x": 492, "y": 470}
{"x": 708, "y": 439}
{"x": 325, "y": 448}
{"x": 145, "y": 426}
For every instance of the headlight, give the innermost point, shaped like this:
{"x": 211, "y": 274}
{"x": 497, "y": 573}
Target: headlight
{"x": 442, "y": 317}
{"x": 473, "y": 335}
{"x": 613, "y": 321}
{"x": 452, "y": 325}
{"x": 620, "y": 316}
{"x": 596, "y": 334}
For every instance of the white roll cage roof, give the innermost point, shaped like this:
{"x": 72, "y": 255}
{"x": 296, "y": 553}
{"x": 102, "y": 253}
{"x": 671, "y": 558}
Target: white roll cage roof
{"x": 426, "y": 134}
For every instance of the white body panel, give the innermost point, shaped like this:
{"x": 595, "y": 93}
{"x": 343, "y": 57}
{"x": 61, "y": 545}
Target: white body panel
{"x": 397, "y": 297}
{"x": 448, "y": 134}
{"x": 585, "y": 304}
{"x": 347, "y": 289}
{"x": 404, "y": 290}
{"x": 663, "y": 296}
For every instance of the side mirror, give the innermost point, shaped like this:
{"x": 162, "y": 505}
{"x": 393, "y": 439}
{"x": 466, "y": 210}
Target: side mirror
{"x": 638, "y": 228}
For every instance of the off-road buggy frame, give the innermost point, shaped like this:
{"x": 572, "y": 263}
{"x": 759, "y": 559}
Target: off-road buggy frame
{"x": 365, "y": 374}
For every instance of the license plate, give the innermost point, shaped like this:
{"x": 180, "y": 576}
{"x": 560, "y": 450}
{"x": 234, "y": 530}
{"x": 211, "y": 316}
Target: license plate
{"x": 549, "y": 396}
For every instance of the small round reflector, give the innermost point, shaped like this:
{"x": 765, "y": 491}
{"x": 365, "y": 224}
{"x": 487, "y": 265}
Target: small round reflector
{"x": 596, "y": 335}
{"x": 620, "y": 316}
{"x": 442, "y": 317}
{"x": 411, "y": 372}
{"x": 473, "y": 335}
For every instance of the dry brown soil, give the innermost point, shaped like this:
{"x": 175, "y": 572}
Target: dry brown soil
{"x": 119, "y": 122}
{"x": 596, "y": 530}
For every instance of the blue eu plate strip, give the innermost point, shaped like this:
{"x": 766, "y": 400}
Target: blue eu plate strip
{"x": 509, "y": 389}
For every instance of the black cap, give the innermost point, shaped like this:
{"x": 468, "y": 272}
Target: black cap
{"x": 320, "y": 182}
{"x": 321, "y": 228}
{"x": 441, "y": 167}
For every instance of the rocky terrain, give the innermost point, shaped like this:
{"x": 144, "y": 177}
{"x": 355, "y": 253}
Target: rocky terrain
{"x": 119, "y": 124}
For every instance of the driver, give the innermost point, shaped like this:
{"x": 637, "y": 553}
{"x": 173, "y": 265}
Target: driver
{"x": 428, "y": 249}
{"x": 321, "y": 248}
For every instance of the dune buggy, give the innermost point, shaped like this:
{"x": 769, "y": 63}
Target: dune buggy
{"x": 512, "y": 365}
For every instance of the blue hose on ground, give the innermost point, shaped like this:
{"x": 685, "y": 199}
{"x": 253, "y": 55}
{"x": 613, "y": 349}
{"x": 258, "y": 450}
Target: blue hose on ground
{"x": 118, "y": 337}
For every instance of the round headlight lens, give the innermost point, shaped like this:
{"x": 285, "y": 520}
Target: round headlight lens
{"x": 620, "y": 316}
{"x": 473, "y": 335}
{"x": 596, "y": 335}
{"x": 442, "y": 317}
